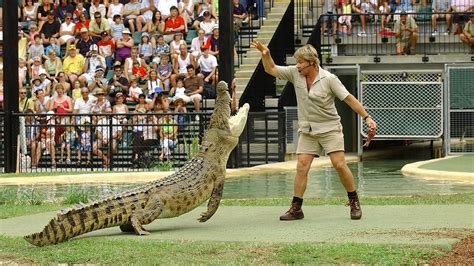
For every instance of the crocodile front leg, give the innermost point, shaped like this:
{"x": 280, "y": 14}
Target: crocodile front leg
{"x": 148, "y": 214}
{"x": 214, "y": 201}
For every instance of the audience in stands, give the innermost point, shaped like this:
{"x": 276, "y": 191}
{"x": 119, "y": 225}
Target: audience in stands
{"x": 90, "y": 61}
{"x": 440, "y": 9}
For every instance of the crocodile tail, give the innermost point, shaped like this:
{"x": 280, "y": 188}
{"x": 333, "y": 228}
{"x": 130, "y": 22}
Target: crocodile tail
{"x": 79, "y": 220}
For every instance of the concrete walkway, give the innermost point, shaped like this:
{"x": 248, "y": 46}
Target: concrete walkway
{"x": 453, "y": 168}
{"x": 411, "y": 224}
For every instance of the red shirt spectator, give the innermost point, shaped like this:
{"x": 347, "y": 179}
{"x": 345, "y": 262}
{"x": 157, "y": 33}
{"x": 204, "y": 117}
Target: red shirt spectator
{"x": 174, "y": 22}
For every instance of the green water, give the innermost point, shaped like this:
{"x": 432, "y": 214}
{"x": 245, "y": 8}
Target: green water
{"x": 374, "y": 178}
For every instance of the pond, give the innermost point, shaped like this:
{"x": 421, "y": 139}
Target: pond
{"x": 373, "y": 177}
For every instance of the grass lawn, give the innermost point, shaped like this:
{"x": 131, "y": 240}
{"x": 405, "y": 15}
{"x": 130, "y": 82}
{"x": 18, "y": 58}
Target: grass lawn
{"x": 125, "y": 252}
{"x": 151, "y": 251}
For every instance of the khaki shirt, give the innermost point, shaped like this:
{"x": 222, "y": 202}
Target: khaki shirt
{"x": 316, "y": 109}
{"x": 410, "y": 24}
{"x": 469, "y": 28}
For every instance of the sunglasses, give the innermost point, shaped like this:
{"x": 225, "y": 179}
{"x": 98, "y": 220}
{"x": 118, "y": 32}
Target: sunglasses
{"x": 22, "y": 92}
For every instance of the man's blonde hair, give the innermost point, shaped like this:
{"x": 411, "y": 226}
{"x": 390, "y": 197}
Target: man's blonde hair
{"x": 307, "y": 53}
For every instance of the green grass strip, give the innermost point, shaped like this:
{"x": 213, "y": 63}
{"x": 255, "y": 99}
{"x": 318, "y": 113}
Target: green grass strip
{"x": 151, "y": 252}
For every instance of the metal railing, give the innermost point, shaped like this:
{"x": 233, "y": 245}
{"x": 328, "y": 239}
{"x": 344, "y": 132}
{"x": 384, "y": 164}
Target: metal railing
{"x": 262, "y": 84}
{"x": 131, "y": 142}
{"x": 376, "y": 40}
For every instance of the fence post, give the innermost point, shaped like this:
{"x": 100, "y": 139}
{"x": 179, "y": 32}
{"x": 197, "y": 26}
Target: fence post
{"x": 10, "y": 69}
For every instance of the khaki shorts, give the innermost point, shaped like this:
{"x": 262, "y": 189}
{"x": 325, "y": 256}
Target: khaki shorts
{"x": 321, "y": 144}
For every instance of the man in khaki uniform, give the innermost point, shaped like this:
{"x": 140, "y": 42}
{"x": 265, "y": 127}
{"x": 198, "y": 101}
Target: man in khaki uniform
{"x": 406, "y": 33}
{"x": 319, "y": 123}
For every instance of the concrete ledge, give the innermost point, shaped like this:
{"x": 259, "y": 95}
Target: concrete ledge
{"x": 414, "y": 169}
{"x": 142, "y": 177}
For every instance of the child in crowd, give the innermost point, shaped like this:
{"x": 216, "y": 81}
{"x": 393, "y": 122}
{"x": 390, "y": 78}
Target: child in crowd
{"x": 144, "y": 48}
{"x": 68, "y": 138}
{"x": 36, "y": 68}
{"x": 161, "y": 103}
{"x": 180, "y": 109}
{"x": 79, "y": 11}
{"x": 142, "y": 104}
{"x": 33, "y": 32}
{"x": 179, "y": 91}
{"x": 36, "y": 50}
{"x": 84, "y": 143}
{"x": 345, "y": 26}
{"x": 76, "y": 91}
{"x": 153, "y": 84}
{"x": 164, "y": 71}
{"x": 21, "y": 72}
{"x": 134, "y": 91}
{"x": 120, "y": 108}
{"x": 160, "y": 48}
{"x": 139, "y": 71}
{"x": 117, "y": 28}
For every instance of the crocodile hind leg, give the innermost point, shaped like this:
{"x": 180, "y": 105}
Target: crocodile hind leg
{"x": 148, "y": 214}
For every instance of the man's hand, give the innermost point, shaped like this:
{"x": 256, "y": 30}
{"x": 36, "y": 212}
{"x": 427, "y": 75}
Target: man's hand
{"x": 260, "y": 46}
{"x": 372, "y": 128}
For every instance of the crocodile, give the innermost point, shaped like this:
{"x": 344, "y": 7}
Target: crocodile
{"x": 199, "y": 179}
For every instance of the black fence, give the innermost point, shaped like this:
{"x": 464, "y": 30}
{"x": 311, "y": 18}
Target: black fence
{"x": 379, "y": 39}
{"x": 132, "y": 142}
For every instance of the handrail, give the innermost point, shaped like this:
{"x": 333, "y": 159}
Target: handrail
{"x": 262, "y": 84}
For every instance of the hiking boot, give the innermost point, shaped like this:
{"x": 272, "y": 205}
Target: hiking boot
{"x": 356, "y": 211}
{"x": 294, "y": 213}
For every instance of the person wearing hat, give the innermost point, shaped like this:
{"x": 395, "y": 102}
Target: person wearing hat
{"x": 173, "y": 24}
{"x": 93, "y": 62}
{"x": 144, "y": 48}
{"x": 106, "y": 48}
{"x": 85, "y": 42}
{"x": 98, "y": 81}
{"x": 208, "y": 23}
{"x": 124, "y": 46}
{"x": 50, "y": 27}
{"x": 73, "y": 64}
{"x": 406, "y": 33}
{"x": 98, "y": 25}
{"x": 467, "y": 36}
{"x": 45, "y": 82}
{"x": 102, "y": 105}
{"x": 35, "y": 67}
{"x": 213, "y": 42}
